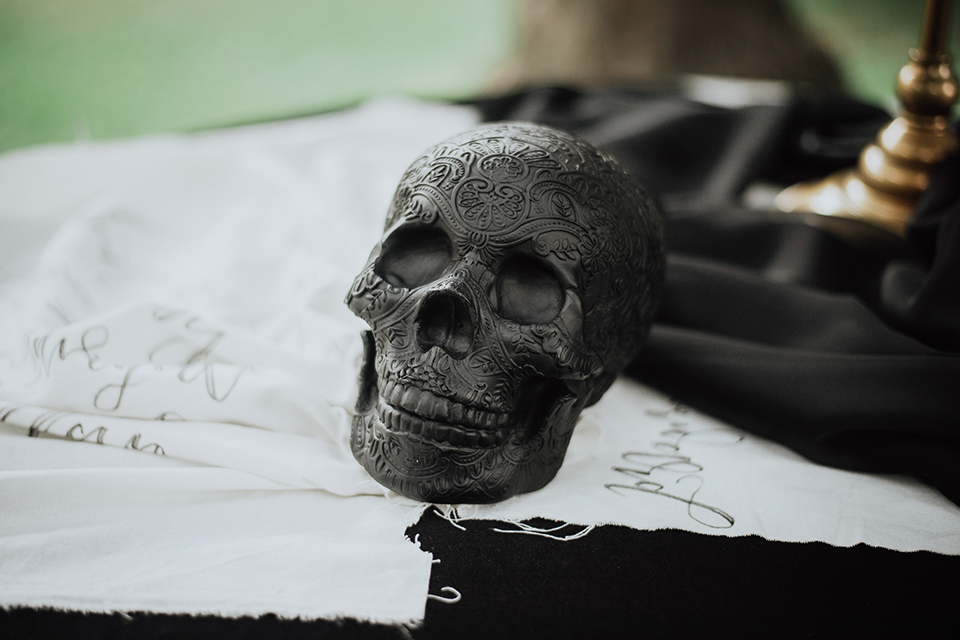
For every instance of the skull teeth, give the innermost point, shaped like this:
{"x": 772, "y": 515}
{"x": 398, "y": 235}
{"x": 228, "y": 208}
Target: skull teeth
{"x": 419, "y": 412}
{"x": 433, "y": 407}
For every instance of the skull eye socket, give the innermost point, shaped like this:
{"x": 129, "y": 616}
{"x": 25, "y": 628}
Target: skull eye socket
{"x": 528, "y": 292}
{"x": 415, "y": 257}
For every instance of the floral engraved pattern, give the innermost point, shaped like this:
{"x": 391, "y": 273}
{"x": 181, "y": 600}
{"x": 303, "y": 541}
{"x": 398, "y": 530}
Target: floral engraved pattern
{"x": 562, "y": 205}
{"x": 486, "y": 206}
{"x": 503, "y": 168}
{"x": 563, "y": 248}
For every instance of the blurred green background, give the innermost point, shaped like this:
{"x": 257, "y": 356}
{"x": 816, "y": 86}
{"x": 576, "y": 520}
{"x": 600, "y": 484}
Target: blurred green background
{"x": 98, "y": 69}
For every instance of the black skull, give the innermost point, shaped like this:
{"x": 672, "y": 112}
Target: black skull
{"x": 519, "y": 272}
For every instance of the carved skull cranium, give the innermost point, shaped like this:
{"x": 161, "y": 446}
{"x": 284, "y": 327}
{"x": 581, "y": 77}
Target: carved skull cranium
{"x": 518, "y": 273}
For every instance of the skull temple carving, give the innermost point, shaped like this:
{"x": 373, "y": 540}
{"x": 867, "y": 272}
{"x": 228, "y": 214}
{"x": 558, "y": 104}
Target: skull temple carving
{"x": 519, "y": 272}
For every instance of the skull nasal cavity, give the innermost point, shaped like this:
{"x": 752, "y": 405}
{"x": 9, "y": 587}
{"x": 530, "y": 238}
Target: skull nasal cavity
{"x": 444, "y": 321}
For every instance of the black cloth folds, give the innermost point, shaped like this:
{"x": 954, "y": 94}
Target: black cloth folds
{"x": 844, "y": 350}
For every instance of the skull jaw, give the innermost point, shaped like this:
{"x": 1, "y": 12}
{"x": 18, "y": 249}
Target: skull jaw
{"x": 442, "y": 473}
{"x": 434, "y": 473}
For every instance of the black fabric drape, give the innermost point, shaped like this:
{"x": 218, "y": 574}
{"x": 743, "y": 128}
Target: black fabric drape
{"x": 845, "y": 351}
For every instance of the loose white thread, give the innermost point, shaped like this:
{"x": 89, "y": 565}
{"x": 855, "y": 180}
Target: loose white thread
{"x": 453, "y": 596}
{"x": 547, "y": 533}
{"x": 452, "y": 519}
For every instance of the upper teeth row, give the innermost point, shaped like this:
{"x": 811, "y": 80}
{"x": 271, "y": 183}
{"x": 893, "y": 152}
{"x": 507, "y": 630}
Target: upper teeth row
{"x": 434, "y": 407}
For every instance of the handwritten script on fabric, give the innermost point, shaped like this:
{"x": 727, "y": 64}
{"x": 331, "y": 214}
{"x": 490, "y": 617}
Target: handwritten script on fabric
{"x": 642, "y": 460}
{"x": 666, "y": 469}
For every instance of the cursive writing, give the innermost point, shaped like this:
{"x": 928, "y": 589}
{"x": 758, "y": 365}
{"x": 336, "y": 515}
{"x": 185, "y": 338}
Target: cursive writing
{"x": 666, "y": 470}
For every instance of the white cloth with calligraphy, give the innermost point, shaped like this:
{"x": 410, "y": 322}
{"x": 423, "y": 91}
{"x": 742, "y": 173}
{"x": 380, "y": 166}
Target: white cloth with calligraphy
{"x": 172, "y": 333}
{"x": 179, "y": 300}
{"x": 640, "y": 460}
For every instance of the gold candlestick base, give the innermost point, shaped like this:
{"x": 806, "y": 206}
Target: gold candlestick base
{"x": 845, "y": 195}
{"x": 894, "y": 170}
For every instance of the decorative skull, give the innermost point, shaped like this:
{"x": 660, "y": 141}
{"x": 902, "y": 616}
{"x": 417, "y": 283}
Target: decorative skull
{"x": 519, "y": 272}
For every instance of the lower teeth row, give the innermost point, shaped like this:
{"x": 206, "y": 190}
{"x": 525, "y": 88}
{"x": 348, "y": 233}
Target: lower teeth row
{"x": 402, "y": 422}
{"x": 434, "y": 407}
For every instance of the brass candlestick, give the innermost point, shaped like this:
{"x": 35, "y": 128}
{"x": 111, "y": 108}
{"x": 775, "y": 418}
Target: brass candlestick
{"x": 895, "y": 169}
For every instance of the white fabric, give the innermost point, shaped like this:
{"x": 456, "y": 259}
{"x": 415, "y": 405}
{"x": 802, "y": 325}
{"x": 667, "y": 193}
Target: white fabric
{"x": 127, "y": 535}
{"x": 641, "y": 460}
{"x": 182, "y": 297}
{"x": 172, "y": 331}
